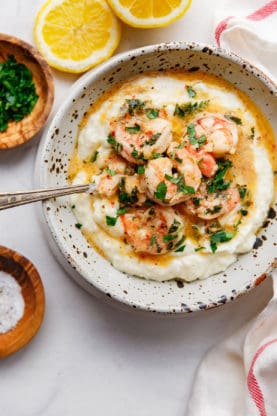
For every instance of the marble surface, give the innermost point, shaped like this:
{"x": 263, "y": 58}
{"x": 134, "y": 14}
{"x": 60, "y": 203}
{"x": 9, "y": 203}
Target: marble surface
{"x": 89, "y": 358}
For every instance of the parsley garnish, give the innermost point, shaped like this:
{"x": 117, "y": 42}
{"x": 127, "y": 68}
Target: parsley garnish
{"x": 111, "y": 172}
{"x": 161, "y": 190}
{"x": 235, "y": 119}
{"x": 174, "y": 226}
{"x": 199, "y": 248}
{"x": 94, "y": 156}
{"x": 140, "y": 170}
{"x": 121, "y": 211}
{"x": 242, "y": 191}
{"x": 124, "y": 198}
{"x": 197, "y": 143}
{"x": 152, "y": 113}
{"x": 220, "y": 236}
{"x": 191, "y": 92}
{"x": 111, "y": 220}
{"x": 252, "y": 135}
{"x": 17, "y": 92}
{"x": 153, "y": 138}
{"x": 134, "y": 105}
{"x": 117, "y": 146}
{"x": 137, "y": 155}
{"x": 133, "y": 129}
{"x": 217, "y": 183}
{"x": 180, "y": 249}
{"x": 78, "y": 225}
{"x": 183, "y": 110}
{"x": 156, "y": 155}
{"x": 169, "y": 237}
{"x": 181, "y": 186}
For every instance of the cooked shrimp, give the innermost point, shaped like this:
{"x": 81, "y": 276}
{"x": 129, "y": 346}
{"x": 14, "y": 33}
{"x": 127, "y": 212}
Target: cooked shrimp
{"x": 213, "y": 205}
{"x": 206, "y": 162}
{"x": 221, "y": 135}
{"x": 168, "y": 188}
{"x": 138, "y": 138}
{"x": 132, "y": 188}
{"x": 156, "y": 230}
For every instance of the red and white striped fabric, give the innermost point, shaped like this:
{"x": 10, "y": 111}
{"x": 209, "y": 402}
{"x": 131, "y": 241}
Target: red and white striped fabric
{"x": 239, "y": 376}
{"x": 249, "y": 28}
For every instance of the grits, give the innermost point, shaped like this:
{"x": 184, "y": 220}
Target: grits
{"x": 187, "y": 247}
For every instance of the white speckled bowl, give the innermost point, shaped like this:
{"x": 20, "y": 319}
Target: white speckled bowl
{"x": 86, "y": 266}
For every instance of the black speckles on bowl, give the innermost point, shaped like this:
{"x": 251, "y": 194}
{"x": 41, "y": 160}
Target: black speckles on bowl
{"x": 86, "y": 266}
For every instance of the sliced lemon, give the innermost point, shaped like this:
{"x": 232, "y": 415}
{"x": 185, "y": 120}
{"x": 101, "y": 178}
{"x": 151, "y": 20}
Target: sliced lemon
{"x": 75, "y": 35}
{"x": 149, "y": 13}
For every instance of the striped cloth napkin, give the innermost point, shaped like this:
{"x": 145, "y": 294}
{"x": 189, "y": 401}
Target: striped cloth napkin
{"x": 239, "y": 376}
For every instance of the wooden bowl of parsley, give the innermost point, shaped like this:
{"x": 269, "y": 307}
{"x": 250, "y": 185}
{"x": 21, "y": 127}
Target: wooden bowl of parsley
{"x": 26, "y": 91}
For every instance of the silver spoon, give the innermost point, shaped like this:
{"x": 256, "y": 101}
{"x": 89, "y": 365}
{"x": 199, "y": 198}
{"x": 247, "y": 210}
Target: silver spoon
{"x": 14, "y": 199}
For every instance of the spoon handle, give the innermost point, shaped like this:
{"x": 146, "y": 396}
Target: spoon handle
{"x": 14, "y": 199}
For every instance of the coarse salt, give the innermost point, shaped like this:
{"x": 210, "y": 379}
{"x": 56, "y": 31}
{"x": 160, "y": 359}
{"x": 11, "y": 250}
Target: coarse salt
{"x": 11, "y": 302}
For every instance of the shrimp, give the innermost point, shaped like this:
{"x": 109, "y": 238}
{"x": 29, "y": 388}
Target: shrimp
{"x": 130, "y": 189}
{"x": 138, "y": 138}
{"x": 219, "y": 135}
{"x": 156, "y": 230}
{"x": 166, "y": 187}
{"x": 209, "y": 206}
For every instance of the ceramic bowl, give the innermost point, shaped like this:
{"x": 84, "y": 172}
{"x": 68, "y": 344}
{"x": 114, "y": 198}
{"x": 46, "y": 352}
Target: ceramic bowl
{"x": 87, "y": 267}
{"x": 22, "y": 131}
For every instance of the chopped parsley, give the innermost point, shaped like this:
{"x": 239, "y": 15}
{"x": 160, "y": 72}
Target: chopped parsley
{"x": 217, "y": 183}
{"x": 111, "y": 221}
{"x": 137, "y": 155}
{"x": 181, "y": 186}
{"x": 152, "y": 139}
{"x": 183, "y": 110}
{"x": 220, "y": 236}
{"x": 121, "y": 211}
{"x": 133, "y": 129}
{"x": 196, "y": 201}
{"x": 191, "y": 91}
{"x": 17, "y": 92}
{"x": 156, "y": 155}
{"x": 174, "y": 226}
{"x": 140, "y": 170}
{"x": 169, "y": 237}
{"x": 242, "y": 191}
{"x": 243, "y": 211}
{"x": 78, "y": 225}
{"x": 111, "y": 172}
{"x": 213, "y": 210}
{"x": 235, "y": 119}
{"x": 197, "y": 143}
{"x": 180, "y": 249}
{"x": 152, "y": 113}
{"x": 117, "y": 146}
{"x": 199, "y": 248}
{"x": 252, "y": 133}
{"x": 161, "y": 190}
{"x": 134, "y": 105}
{"x": 124, "y": 197}
{"x": 94, "y": 156}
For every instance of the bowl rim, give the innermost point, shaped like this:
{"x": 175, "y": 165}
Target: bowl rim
{"x": 91, "y": 76}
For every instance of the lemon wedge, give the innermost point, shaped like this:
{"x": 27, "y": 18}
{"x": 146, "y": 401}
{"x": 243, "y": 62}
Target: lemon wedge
{"x": 75, "y": 35}
{"x": 149, "y": 13}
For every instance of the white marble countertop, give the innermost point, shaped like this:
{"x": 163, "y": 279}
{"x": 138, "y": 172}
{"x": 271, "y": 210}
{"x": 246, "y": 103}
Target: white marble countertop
{"x": 89, "y": 358}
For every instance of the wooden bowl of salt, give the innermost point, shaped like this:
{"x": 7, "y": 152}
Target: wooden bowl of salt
{"x": 22, "y": 301}
{"x": 19, "y": 132}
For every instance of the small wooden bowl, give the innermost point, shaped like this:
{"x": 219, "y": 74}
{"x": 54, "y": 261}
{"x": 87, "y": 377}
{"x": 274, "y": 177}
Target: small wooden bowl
{"x": 32, "y": 291}
{"x": 20, "y": 132}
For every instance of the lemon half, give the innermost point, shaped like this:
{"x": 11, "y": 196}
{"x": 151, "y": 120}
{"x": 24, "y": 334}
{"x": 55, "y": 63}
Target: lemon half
{"x": 75, "y": 35}
{"x": 149, "y": 13}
